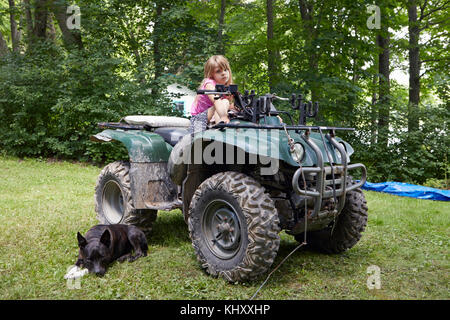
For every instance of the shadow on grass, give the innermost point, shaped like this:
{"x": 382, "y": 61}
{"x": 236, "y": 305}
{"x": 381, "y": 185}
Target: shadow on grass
{"x": 169, "y": 229}
{"x": 305, "y": 261}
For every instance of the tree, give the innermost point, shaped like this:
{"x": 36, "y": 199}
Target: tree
{"x": 29, "y": 20}
{"x": 383, "y": 42}
{"x": 157, "y": 37}
{"x": 71, "y": 38}
{"x": 15, "y": 34}
{"x": 3, "y": 45}
{"x": 221, "y": 24}
{"x": 40, "y": 19}
{"x": 312, "y": 18}
{"x": 423, "y": 16}
{"x": 273, "y": 54}
{"x": 414, "y": 66}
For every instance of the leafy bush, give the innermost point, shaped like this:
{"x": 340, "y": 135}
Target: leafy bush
{"x": 51, "y": 102}
{"x": 410, "y": 156}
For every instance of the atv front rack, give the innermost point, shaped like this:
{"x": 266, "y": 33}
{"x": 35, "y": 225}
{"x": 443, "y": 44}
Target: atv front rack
{"x": 275, "y": 127}
{"x": 321, "y": 176}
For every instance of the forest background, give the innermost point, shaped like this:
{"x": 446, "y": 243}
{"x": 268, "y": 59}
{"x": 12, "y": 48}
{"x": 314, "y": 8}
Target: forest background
{"x": 67, "y": 65}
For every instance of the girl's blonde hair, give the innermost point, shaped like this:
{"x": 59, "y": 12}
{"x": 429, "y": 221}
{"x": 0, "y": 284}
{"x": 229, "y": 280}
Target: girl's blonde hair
{"x": 217, "y": 61}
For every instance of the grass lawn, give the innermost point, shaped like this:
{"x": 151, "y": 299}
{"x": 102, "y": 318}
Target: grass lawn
{"x": 43, "y": 204}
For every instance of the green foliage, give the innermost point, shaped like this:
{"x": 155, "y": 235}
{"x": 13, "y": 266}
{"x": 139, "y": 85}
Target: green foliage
{"x": 438, "y": 184}
{"x": 52, "y": 102}
{"x": 51, "y": 97}
{"x": 410, "y": 156}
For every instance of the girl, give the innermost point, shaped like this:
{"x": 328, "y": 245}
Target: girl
{"x": 205, "y": 108}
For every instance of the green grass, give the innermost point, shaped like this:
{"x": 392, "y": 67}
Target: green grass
{"x": 43, "y": 204}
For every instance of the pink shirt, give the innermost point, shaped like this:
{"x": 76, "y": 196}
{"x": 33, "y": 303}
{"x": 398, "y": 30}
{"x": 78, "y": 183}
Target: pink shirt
{"x": 202, "y": 101}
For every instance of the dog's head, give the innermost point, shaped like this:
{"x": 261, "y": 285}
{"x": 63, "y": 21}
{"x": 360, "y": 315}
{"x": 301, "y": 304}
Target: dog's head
{"x": 96, "y": 254}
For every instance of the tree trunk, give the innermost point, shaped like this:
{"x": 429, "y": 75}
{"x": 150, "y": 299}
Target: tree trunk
{"x": 51, "y": 35}
{"x": 311, "y": 33}
{"x": 384, "y": 88}
{"x": 3, "y": 45}
{"x": 15, "y": 35}
{"x": 271, "y": 49}
{"x": 70, "y": 37}
{"x": 221, "y": 45}
{"x": 29, "y": 20}
{"x": 40, "y": 19}
{"x": 414, "y": 67}
{"x": 157, "y": 41}
{"x": 373, "y": 113}
{"x": 28, "y": 16}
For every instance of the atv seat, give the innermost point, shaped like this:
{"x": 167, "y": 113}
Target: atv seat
{"x": 171, "y": 135}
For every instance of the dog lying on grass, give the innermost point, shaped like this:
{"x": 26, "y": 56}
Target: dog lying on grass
{"x": 104, "y": 244}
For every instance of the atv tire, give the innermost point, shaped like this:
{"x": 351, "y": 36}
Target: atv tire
{"x": 234, "y": 226}
{"x": 350, "y": 223}
{"x": 114, "y": 201}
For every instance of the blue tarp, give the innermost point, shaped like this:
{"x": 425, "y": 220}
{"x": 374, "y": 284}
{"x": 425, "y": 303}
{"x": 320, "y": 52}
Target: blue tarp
{"x": 408, "y": 190}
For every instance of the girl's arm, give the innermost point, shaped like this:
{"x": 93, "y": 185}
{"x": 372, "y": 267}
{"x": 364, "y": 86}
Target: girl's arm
{"x": 210, "y": 86}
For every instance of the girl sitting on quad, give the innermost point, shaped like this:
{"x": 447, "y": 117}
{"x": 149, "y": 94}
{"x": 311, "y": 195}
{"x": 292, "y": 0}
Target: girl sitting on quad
{"x": 205, "y": 108}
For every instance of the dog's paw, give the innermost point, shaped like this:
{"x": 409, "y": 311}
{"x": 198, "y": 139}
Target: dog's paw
{"x": 124, "y": 257}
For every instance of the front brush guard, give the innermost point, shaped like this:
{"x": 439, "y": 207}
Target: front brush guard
{"x": 320, "y": 171}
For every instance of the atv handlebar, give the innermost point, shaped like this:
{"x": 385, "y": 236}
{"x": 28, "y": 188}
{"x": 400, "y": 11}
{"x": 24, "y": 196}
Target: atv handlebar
{"x": 253, "y": 107}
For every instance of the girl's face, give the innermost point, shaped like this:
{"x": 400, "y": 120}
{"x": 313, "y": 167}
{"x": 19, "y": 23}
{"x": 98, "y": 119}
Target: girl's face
{"x": 221, "y": 76}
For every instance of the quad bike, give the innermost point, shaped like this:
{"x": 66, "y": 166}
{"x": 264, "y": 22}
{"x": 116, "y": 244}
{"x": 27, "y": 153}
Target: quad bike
{"x": 237, "y": 184}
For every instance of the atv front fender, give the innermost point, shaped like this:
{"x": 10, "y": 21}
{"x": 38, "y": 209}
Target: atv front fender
{"x": 142, "y": 146}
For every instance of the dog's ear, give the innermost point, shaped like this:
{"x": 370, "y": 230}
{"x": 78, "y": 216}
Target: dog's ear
{"x": 81, "y": 240}
{"x": 106, "y": 238}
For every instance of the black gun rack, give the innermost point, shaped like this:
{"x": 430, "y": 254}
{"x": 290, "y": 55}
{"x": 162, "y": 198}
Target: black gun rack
{"x": 123, "y": 126}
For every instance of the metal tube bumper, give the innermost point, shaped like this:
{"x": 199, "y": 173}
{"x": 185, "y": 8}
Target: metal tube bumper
{"x": 320, "y": 172}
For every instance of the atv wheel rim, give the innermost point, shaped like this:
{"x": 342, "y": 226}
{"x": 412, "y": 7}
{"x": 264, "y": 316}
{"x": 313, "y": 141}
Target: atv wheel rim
{"x": 221, "y": 229}
{"x": 112, "y": 202}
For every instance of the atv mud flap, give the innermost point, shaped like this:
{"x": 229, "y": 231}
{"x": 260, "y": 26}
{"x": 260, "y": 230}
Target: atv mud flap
{"x": 152, "y": 188}
{"x": 325, "y": 182}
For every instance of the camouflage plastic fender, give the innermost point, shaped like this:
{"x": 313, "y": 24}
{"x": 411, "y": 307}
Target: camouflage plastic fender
{"x": 142, "y": 146}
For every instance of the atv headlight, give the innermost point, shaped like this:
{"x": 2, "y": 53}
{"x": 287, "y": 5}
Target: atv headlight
{"x": 338, "y": 154}
{"x": 298, "y": 152}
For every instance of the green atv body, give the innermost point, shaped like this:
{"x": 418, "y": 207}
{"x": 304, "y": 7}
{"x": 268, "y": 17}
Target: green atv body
{"x": 238, "y": 184}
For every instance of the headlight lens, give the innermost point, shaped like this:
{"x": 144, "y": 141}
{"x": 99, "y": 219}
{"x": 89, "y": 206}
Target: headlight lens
{"x": 298, "y": 152}
{"x": 338, "y": 154}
